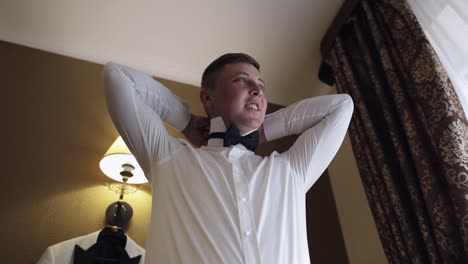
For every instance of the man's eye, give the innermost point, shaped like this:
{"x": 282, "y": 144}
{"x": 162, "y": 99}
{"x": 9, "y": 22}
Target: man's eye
{"x": 242, "y": 80}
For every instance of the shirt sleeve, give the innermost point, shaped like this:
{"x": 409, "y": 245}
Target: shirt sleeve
{"x": 138, "y": 105}
{"x": 323, "y": 122}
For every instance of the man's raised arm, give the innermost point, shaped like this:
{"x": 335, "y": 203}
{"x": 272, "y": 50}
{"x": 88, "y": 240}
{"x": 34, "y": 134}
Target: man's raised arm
{"x": 138, "y": 105}
{"x": 323, "y": 122}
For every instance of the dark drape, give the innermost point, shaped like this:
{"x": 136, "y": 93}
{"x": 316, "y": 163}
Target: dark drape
{"x": 409, "y": 133}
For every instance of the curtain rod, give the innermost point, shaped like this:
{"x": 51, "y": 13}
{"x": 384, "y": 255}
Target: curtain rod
{"x": 338, "y": 22}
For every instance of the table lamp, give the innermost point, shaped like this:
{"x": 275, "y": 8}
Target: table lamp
{"x": 120, "y": 165}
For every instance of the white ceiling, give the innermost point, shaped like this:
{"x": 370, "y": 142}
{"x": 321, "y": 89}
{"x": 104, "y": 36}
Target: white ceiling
{"x": 177, "y": 39}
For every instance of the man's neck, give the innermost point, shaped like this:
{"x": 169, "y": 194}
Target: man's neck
{"x": 217, "y": 123}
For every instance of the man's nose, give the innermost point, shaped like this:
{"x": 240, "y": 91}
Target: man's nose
{"x": 256, "y": 90}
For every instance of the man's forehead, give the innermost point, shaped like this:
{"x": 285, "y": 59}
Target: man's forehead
{"x": 241, "y": 68}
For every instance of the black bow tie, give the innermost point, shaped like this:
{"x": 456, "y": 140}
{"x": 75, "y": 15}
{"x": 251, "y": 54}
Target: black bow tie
{"x": 233, "y": 137}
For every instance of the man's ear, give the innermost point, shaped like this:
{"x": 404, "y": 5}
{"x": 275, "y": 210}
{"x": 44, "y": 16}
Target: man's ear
{"x": 205, "y": 99}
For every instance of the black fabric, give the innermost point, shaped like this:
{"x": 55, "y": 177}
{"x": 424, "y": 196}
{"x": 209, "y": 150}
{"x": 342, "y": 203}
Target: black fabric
{"x": 326, "y": 74}
{"x": 109, "y": 248}
{"x": 115, "y": 238}
{"x": 233, "y": 137}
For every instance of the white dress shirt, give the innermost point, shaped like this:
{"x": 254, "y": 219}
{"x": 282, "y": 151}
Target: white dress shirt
{"x": 218, "y": 204}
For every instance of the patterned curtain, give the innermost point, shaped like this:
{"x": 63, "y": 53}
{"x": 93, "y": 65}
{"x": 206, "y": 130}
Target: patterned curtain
{"x": 409, "y": 133}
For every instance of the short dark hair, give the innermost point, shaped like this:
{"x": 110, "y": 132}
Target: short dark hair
{"x": 211, "y": 72}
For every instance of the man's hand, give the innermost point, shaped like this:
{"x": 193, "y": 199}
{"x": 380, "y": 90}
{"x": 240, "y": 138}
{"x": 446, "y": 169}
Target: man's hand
{"x": 197, "y": 130}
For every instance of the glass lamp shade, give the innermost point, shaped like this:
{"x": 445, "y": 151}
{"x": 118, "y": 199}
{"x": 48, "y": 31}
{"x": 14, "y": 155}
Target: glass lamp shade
{"x": 117, "y": 155}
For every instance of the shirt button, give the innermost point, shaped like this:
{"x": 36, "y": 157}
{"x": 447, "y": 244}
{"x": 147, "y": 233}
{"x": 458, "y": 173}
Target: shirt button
{"x": 244, "y": 199}
{"x": 248, "y": 233}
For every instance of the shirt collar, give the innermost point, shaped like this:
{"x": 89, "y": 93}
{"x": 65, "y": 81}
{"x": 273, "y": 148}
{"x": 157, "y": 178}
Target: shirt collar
{"x": 217, "y": 125}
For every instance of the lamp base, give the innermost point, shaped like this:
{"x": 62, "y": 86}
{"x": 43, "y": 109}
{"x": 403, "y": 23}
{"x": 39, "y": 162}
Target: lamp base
{"x": 119, "y": 214}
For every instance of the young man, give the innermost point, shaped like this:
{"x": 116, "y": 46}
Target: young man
{"x": 221, "y": 203}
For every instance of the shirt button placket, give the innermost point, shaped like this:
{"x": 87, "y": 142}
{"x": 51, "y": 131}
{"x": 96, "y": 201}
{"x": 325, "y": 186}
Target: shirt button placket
{"x": 245, "y": 216}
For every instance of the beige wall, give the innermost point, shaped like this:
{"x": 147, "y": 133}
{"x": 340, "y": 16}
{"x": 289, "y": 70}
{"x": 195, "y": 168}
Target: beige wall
{"x": 357, "y": 224}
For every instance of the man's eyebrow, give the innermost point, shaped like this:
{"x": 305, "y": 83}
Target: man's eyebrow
{"x": 241, "y": 73}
